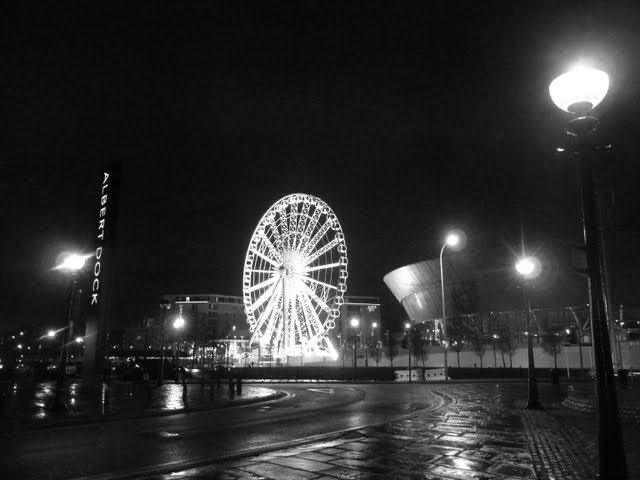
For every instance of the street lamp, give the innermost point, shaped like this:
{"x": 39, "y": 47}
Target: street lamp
{"x": 528, "y": 268}
{"x": 453, "y": 240}
{"x": 407, "y": 326}
{"x": 355, "y": 323}
{"x": 578, "y": 92}
{"x": 71, "y": 265}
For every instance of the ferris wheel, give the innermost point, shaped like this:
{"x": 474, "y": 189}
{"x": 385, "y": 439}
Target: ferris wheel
{"x": 295, "y": 277}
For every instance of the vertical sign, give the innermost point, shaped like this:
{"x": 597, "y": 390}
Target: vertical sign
{"x": 102, "y": 265}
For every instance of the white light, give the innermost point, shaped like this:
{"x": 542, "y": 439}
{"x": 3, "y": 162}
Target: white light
{"x": 453, "y": 239}
{"x": 568, "y": 331}
{"x": 495, "y": 336}
{"x": 51, "y": 333}
{"x": 19, "y": 346}
{"x": 21, "y": 333}
{"x": 79, "y": 340}
{"x": 580, "y": 86}
{"x": 355, "y": 322}
{"x": 73, "y": 262}
{"x": 374, "y": 325}
{"x": 178, "y": 322}
{"x": 526, "y": 266}
{"x": 407, "y": 326}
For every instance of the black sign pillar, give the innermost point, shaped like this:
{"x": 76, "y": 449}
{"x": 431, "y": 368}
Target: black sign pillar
{"x": 101, "y": 274}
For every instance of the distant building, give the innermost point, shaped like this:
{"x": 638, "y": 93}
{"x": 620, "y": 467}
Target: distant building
{"x": 209, "y": 316}
{"x": 367, "y": 311}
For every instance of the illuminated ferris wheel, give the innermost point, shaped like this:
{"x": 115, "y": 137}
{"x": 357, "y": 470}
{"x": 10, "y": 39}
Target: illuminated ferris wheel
{"x": 295, "y": 277}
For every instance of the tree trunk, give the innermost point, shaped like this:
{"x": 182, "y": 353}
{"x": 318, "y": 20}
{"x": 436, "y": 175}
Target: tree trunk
{"x": 480, "y": 362}
{"x": 503, "y": 362}
{"x": 555, "y": 360}
{"x": 458, "y": 355}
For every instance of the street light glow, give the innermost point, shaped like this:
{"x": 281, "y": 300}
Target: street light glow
{"x": 355, "y": 322}
{"x": 453, "y": 239}
{"x": 526, "y": 266}
{"x": 374, "y": 325}
{"x": 79, "y": 340}
{"x": 407, "y": 326}
{"x": 178, "y": 322}
{"x": 73, "y": 262}
{"x": 579, "y": 90}
{"x": 51, "y": 333}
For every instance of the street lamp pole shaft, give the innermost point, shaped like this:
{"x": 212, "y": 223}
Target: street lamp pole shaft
{"x": 162, "y": 345}
{"x": 532, "y": 402}
{"x": 62, "y": 364}
{"x": 444, "y": 317}
{"x": 612, "y": 458}
{"x": 354, "y": 357}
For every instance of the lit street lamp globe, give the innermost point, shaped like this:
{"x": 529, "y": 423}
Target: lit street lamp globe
{"x": 453, "y": 239}
{"x": 527, "y": 267}
{"x": 73, "y": 263}
{"x": 407, "y": 326}
{"x": 178, "y": 322}
{"x": 579, "y": 90}
{"x": 355, "y": 322}
{"x": 51, "y": 333}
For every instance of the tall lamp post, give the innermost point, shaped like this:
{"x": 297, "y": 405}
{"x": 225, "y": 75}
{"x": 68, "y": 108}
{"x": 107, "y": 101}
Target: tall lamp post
{"x": 164, "y": 306}
{"x": 355, "y": 323}
{"x": 452, "y": 240}
{"x": 528, "y": 268}
{"x": 71, "y": 265}
{"x": 407, "y": 326}
{"x": 578, "y": 92}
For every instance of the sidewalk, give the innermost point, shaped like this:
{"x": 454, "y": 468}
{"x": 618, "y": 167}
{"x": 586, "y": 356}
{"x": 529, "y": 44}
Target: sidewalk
{"x": 484, "y": 433}
{"x": 28, "y": 404}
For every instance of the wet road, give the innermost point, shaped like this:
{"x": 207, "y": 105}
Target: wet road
{"x": 121, "y": 447}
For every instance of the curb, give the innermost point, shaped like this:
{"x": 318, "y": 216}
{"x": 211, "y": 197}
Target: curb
{"x": 84, "y": 420}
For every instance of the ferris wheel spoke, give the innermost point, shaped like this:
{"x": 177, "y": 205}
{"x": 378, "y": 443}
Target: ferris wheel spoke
{"x": 310, "y": 227}
{"x": 263, "y": 298}
{"x": 284, "y": 229}
{"x": 276, "y": 234}
{"x": 264, "y": 257}
{"x": 312, "y": 312}
{"x": 293, "y": 223}
{"x": 266, "y": 313}
{"x": 320, "y": 302}
{"x": 263, "y": 284}
{"x": 320, "y": 267}
{"x": 321, "y": 251}
{"x": 302, "y": 220}
{"x": 275, "y": 254}
{"x": 305, "y": 316}
{"x": 316, "y": 238}
{"x": 318, "y": 282}
{"x": 264, "y": 271}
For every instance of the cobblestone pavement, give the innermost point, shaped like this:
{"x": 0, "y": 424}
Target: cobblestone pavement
{"x": 484, "y": 434}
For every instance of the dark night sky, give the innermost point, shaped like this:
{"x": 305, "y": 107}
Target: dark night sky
{"x": 406, "y": 119}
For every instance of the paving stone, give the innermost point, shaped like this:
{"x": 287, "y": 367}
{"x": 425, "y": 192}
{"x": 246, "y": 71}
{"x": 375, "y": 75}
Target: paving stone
{"x": 464, "y": 463}
{"x": 278, "y": 472}
{"x": 319, "y": 457}
{"x": 344, "y": 473}
{"x": 301, "y": 463}
{"x": 356, "y": 446}
{"x": 461, "y": 474}
{"x": 519, "y": 471}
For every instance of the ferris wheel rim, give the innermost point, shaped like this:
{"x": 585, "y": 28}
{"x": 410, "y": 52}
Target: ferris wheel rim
{"x": 302, "y": 305}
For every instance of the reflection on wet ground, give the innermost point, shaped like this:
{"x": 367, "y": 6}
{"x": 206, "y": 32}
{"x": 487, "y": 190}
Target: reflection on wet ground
{"x": 29, "y": 403}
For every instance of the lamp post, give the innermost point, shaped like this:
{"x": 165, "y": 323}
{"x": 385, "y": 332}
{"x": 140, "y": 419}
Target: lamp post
{"x": 528, "y": 268}
{"x": 71, "y": 265}
{"x": 452, "y": 240}
{"x": 355, "y": 322}
{"x": 494, "y": 337}
{"x": 578, "y": 92}
{"x": 407, "y": 326}
{"x": 164, "y": 306}
{"x": 372, "y": 341}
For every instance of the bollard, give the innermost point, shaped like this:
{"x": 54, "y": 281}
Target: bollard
{"x": 239, "y": 386}
{"x": 231, "y": 389}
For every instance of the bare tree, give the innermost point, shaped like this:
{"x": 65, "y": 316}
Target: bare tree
{"x": 506, "y": 343}
{"x": 479, "y": 347}
{"x": 375, "y": 352}
{"x": 552, "y": 344}
{"x": 391, "y": 350}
